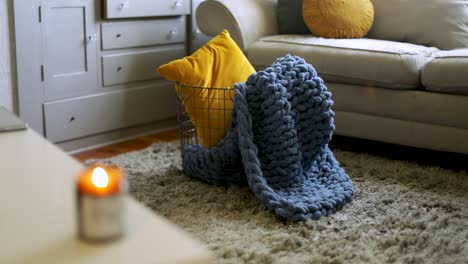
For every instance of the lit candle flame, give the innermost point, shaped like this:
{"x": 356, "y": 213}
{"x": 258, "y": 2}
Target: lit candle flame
{"x": 100, "y": 178}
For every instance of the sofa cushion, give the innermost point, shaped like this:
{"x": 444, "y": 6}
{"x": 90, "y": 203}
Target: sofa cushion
{"x": 218, "y": 64}
{"x": 447, "y": 72}
{"x": 418, "y": 106}
{"x": 356, "y": 61}
{"x": 337, "y": 18}
{"x": 437, "y": 23}
{"x": 289, "y": 15}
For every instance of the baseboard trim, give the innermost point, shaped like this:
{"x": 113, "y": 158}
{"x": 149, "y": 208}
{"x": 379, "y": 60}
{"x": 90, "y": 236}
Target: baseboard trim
{"x": 100, "y": 140}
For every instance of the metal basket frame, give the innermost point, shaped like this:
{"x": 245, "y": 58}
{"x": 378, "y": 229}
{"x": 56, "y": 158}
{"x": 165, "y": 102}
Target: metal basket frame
{"x": 187, "y": 129}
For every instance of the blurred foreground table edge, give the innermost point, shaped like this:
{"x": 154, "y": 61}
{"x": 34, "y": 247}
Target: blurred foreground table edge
{"x": 38, "y": 214}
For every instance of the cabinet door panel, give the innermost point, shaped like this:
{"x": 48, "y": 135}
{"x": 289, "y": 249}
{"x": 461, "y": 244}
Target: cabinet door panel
{"x": 69, "y": 45}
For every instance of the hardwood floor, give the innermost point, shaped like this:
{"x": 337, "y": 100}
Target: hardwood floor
{"x": 127, "y": 146}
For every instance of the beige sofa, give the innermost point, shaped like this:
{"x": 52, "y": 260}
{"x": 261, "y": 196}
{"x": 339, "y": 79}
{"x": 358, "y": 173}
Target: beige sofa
{"x": 384, "y": 90}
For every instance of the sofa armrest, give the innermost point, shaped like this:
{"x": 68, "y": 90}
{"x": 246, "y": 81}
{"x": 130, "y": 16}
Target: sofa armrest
{"x": 246, "y": 20}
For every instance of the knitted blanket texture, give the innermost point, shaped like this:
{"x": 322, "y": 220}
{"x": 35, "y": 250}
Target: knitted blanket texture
{"x": 281, "y": 124}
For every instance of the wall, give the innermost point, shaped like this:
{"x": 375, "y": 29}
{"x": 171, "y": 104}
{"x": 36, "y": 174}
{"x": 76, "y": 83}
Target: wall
{"x": 8, "y": 91}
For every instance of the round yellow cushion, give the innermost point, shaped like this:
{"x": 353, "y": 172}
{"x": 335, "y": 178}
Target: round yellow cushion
{"x": 338, "y": 18}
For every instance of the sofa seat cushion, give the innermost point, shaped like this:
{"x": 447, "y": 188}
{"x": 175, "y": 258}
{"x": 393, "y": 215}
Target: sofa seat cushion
{"x": 418, "y": 106}
{"x": 355, "y": 61}
{"x": 447, "y": 72}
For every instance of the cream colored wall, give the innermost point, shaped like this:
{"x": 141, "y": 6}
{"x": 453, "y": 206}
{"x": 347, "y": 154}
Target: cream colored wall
{"x": 8, "y": 91}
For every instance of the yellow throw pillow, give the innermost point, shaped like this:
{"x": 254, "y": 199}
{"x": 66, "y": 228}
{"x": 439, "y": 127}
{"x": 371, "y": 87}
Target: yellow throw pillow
{"x": 213, "y": 68}
{"x": 338, "y": 18}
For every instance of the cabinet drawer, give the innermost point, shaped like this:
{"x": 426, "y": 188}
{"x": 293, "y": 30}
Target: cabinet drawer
{"x": 84, "y": 116}
{"x": 145, "y": 8}
{"x": 137, "y": 66}
{"x": 142, "y": 33}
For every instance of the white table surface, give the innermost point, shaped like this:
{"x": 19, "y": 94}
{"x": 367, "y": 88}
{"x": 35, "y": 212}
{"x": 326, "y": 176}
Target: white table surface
{"x": 38, "y": 218}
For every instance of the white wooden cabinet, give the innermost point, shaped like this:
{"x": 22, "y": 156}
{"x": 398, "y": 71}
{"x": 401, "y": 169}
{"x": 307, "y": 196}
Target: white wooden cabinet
{"x": 88, "y": 67}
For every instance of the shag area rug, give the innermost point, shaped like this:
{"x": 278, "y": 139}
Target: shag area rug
{"x": 401, "y": 212}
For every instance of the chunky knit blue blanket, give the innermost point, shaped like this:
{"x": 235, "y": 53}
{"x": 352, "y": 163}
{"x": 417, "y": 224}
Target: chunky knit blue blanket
{"x": 282, "y": 122}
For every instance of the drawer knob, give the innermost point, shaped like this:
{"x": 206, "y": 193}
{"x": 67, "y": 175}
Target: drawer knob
{"x": 118, "y": 35}
{"x": 92, "y": 37}
{"x": 178, "y": 3}
{"x": 119, "y": 68}
{"x": 172, "y": 33}
{"x": 124, "y": 4}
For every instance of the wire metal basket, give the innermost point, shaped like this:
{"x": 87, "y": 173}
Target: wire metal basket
{"x": 204, "y": 117}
